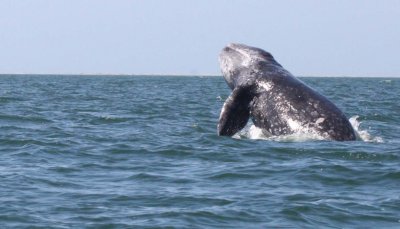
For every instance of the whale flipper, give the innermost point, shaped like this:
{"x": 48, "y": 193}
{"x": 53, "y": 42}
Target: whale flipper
{"x": 235, "y": 112}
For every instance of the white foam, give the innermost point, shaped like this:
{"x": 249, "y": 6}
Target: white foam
{"x": 294, "y": 125}
{"x": 302, "y": 133}
{"x": 255, "y": 133}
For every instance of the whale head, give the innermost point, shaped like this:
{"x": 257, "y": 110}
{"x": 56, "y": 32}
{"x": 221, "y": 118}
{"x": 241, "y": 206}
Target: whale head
{"x": 241, "y": 64}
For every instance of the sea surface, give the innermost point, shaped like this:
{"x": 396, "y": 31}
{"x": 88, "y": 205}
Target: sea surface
{"x": 142, "y": 152}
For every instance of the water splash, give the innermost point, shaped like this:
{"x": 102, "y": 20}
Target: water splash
{"x": 302, "y": 134}
{"x": 253, "y": 132}
{"x": 363, "y": 134}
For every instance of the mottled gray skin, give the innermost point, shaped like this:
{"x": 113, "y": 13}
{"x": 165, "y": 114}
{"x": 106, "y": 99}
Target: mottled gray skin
{"x": 277, "y": 102}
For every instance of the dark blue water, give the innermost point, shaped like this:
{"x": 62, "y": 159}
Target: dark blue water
{"x": 123, "y": 152}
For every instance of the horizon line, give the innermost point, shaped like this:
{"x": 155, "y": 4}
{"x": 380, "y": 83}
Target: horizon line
{"x": 187, "y": 75}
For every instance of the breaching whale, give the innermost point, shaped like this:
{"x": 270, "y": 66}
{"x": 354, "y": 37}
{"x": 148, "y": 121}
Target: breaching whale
{"x": 274, "y": 99}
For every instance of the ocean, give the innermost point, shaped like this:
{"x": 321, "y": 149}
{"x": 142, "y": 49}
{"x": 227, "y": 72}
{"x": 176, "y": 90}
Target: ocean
{"x": 143, "y": 152}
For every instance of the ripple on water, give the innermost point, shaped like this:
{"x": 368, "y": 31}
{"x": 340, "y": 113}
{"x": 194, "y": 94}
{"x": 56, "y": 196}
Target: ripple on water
{"x": 123, "y": 152}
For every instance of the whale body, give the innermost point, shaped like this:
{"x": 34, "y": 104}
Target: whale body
{"x": 275, "y": 100}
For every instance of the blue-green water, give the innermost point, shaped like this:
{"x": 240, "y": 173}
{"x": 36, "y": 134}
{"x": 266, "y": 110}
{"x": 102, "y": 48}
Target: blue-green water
{"x": 126, "y": 152}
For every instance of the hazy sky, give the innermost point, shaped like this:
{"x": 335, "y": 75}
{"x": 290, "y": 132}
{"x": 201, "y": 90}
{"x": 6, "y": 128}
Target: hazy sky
{"x": 308, "y": 37}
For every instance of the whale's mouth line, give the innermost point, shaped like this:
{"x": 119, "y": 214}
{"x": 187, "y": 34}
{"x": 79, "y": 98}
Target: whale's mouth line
{"x": 236, "y": 48}
{"x": 244, "y": 56}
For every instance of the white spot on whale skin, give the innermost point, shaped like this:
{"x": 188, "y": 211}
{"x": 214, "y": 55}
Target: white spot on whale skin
{"x": 319, "y": 121}
{"x": 314, "y": 114}
{"x": 267, "y": 86}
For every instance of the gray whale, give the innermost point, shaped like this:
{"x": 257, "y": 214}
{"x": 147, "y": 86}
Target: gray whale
{"x": 274, "y": 99}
